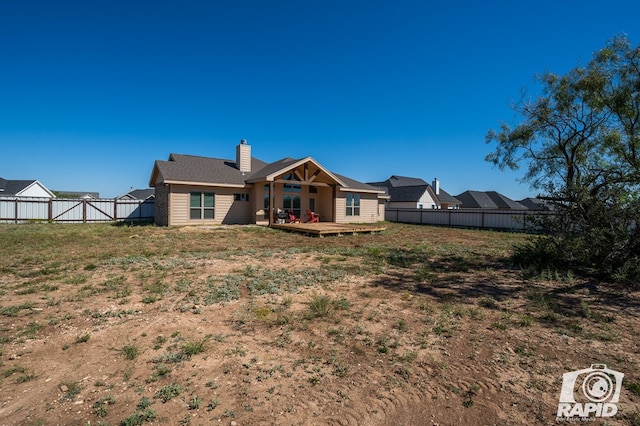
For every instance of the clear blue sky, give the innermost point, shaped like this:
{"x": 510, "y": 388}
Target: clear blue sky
{"x": 93, "y": 92}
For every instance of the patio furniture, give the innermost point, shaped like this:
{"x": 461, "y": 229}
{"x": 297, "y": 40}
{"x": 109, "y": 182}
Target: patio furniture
{"x": 293, "y": 218}
{"x": 313, "y": 217}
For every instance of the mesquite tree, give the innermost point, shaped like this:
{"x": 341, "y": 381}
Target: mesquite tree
{"x": 580, "y": 143}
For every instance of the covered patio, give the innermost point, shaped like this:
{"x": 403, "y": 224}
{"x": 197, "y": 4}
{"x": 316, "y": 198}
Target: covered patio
{"x": 322, "y": 229}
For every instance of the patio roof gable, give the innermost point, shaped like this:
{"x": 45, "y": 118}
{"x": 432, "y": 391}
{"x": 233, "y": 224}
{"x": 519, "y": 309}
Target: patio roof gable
{"x": 299, "y": 168}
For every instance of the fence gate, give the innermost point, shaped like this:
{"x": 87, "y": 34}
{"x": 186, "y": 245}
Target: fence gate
{"x": 23, "y": 209}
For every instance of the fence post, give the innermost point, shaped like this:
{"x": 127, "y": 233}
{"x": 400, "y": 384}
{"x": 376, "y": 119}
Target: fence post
{"x": 115, "y": 209}
{"x": 84, "y": 211}
{"x": 50, "y": 211}
{"x": 15, "y": 210}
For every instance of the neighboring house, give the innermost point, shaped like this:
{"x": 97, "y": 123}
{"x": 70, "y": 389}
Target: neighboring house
{"x": 77, "y": 195}
{"x": 488, "y": 200}
{"x": 535, "y": 204}
{"x": 139, "y": 194}
{"x": 201, "y": 190}
{"x": 408, "y": 192}
{"x": 24, "y": 188}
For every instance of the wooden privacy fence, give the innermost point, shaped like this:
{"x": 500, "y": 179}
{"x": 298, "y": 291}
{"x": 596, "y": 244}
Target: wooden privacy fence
{"x": 27, "y": 209}
{"x": 511, "y": 220}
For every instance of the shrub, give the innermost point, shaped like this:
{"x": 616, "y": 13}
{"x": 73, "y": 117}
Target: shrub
{"x": 130, "y": 351}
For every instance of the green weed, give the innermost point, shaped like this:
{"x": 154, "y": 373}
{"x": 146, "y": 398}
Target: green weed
{"x": 320, "y": 305}
{"x": 168, "y": 392}
{"x": 130, "y": 351}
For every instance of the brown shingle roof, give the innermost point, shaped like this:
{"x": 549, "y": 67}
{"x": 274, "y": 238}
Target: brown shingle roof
{"x": 191, "y": 168}
{"x": 217, "y": 171}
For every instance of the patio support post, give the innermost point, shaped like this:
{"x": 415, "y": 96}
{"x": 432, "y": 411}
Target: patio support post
{"x": 271, "y": 202}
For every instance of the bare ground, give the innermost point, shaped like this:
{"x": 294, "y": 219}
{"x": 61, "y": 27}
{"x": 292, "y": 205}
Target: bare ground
{"x": 227, "y": 325}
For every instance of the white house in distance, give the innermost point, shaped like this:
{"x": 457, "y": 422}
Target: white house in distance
{"x": 24, "y": 188}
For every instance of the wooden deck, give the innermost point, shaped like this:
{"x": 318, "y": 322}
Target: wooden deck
{"x": 329, "y": 228}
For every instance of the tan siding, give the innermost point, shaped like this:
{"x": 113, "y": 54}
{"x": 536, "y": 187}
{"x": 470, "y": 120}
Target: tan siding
{"x": 381, "y": 209}
{"x": 341, "y": 216}
{"x": 369, "y": 209}
{"x": 231, "y": 211}
{"x": 226, "y": 209}
{"x": 324, "y": 204}
{"x": 178, "y": 206}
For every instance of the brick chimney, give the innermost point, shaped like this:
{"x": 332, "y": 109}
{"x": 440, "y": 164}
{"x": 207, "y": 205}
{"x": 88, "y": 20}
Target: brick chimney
{"x": 243, "y": 157}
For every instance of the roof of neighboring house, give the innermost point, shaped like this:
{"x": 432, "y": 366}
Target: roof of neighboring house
{"x": 445, "y": 197}
{"x": 535, "y": 204}
{"x": 140, "y": 194}
{"x": 488, "y": 200}
{"x": 77, "y": 194}
{"x": 407, "y": 193}
{"x": 398, "y": 181}
{"x": 409, "y": 189}
{"x": 9, "y": 187}
{"x": 194, "y": 169}
{"x": 12, "y": 187}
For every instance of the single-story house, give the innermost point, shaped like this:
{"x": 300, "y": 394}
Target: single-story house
{"x": 415, "y": 193}
{"x": 24, "y": 188}
{"x": 139, "y": 194}
{"x": 488, "y": 200}
{"x": 193, "y": 190}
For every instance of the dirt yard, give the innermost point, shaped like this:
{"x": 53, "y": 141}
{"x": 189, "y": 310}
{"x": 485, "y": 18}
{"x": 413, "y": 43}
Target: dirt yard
{"x": 116, "y": 325}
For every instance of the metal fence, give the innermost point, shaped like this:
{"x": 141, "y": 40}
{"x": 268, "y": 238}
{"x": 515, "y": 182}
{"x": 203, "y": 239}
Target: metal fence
{"x": 510, "y": 220}
{"x": 29, "y": 209}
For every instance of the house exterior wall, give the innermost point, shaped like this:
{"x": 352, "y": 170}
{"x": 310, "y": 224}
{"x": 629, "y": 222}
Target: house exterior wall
{"x": 324, "y": 204}
{"x": 382, "y": 209}
{"x": 227, "y": 209}
{"x": 369, "y": 209}
{"x": 426, "y": 201}
{"x": 172, "y": 205}
{"x": 34, "y": 190}
{"x": 323, "y": 201}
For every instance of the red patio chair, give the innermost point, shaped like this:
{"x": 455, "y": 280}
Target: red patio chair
{"x": 293, "y": 218}
{"x": 313, "y": 217}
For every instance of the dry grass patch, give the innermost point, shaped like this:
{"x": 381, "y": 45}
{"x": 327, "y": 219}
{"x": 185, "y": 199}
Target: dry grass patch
{"x": 127, "y": 325}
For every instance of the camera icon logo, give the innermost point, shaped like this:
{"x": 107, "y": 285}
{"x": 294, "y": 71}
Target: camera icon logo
{"x": 593, "y": 391}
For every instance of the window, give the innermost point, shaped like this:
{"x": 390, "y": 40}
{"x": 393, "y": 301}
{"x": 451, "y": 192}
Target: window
{"x": 266, "y": 197}
{"x": 241, "y": 197}
{"x": 292, "y": 187}
{"x": 353, "y": 204}
{"x": 291, "y": 203}
{"x": 201, "y": 205}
